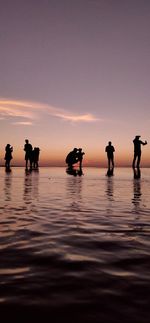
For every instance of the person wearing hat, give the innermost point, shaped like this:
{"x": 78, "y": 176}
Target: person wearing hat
{"x": 137, "y": 151}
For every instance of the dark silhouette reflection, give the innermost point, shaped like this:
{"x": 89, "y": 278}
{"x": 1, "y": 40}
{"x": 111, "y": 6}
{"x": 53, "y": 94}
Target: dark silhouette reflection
{"x": 136, "y": 192}
{"x": 110, "y": 194}
{"x": 109, "y": 188}
{"x": 8, "y": 156}
{"x": 31, "y": 187}
{"x": 35, "y": 185}
{"x": 73, "y": 171}
{"x": 110, "y": 172}
{"x": 74, "y": 193}
{"x": 110, "y": 154}
{"x": 137, "y": 151}
{"x": 136, "y": 172}
{"x": 28, "y": 187}
{"x": 8, "y": 185}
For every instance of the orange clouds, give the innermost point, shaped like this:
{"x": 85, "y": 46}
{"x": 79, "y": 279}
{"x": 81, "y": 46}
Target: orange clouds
{"x": 32, "y": 111}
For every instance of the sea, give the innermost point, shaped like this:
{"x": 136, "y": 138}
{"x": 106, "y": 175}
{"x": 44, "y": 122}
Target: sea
{"x": 75, "y": 245}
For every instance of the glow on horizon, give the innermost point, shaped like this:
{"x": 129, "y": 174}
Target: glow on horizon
{"x": 42, "y": 122}
{"x": 92, "y": 158}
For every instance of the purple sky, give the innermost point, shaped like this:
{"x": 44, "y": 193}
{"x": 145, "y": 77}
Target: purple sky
{"x": 86, "y": 58}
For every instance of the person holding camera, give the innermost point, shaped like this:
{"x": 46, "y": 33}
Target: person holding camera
{"x": 137, "y": 151}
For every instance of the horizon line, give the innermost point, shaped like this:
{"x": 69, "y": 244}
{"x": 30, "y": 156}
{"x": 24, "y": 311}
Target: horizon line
{"x": 65, "y": 166}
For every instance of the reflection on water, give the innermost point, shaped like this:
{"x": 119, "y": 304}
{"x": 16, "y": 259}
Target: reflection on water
{"x": 31, "y": 186}
{"x": 109, "y": 188}
{"x": 136, "y": 195}
{"x": 109, "y": 193}
{"x": 110, "y": 172}
{"x": 8, "y": 185}
{"x": 137, "y": 172}
{"x": 75, "y": 248}
{"x": 74, "y": 171}
{"x": 28, "y": 187}
{"x": 74, "y": 192}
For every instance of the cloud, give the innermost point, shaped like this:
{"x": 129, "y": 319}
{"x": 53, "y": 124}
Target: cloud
{"x": 23, "y": 123}
{"x": 29, "y": 112}
{"x": 85, "y": 117}
{"x": 16, "y": 109}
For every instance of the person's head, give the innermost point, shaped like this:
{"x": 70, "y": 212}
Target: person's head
{"x": 137, "y": 137}
{"x": 26, "y": 141}
{"x": 80, "y": 149}
{"x": 75, "y": 150}
{"x": 109, "y": 143}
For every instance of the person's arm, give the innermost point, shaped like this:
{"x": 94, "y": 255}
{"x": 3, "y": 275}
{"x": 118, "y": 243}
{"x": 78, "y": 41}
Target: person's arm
{"x": 144, "y": 143}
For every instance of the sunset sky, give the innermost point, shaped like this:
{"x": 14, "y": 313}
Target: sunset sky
{"x": 75, "y": 73}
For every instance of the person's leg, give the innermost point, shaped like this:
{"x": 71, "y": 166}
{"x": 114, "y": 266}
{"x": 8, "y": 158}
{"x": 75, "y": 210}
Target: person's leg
{"x": 108, "y": 162}
{"x": 138, "y": 160}
{"x": 26, "y": 159}
{"x": 30, "y": 163}
{"x": 112, "y": 161}
{"x": 9, "y": 163}
{"x": 134, "y": 159}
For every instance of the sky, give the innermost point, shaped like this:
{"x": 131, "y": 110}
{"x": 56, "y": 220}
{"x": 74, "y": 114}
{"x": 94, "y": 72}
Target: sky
{"x": 75, "y": 74}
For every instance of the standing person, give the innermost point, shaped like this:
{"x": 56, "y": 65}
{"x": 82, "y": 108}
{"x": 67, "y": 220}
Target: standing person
{"x": 8, "y": 156}
{"x": 110, "y": 154}
{"x": 28, "y": 153}
{"x": 35, "y": 159}
{"x": 80, "y": 157}
{"x": 137, "y": 151}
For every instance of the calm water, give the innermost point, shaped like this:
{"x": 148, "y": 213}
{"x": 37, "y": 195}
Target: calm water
{"x": 75, "y": 248}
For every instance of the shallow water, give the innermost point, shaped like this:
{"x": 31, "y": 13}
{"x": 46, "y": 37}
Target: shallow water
{"x": 75, "y": 248}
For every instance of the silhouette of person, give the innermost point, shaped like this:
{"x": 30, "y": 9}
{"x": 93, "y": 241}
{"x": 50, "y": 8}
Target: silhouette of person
{"x": 28, "y": 153}
{"x": 110, "y": 154}
{"x": 72, "y": 157}
{"x": 35, "y": 157}
{"x": 80, "y": 156}
{"x": 137, "y": 151}
{"x": 8, "y": 156}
